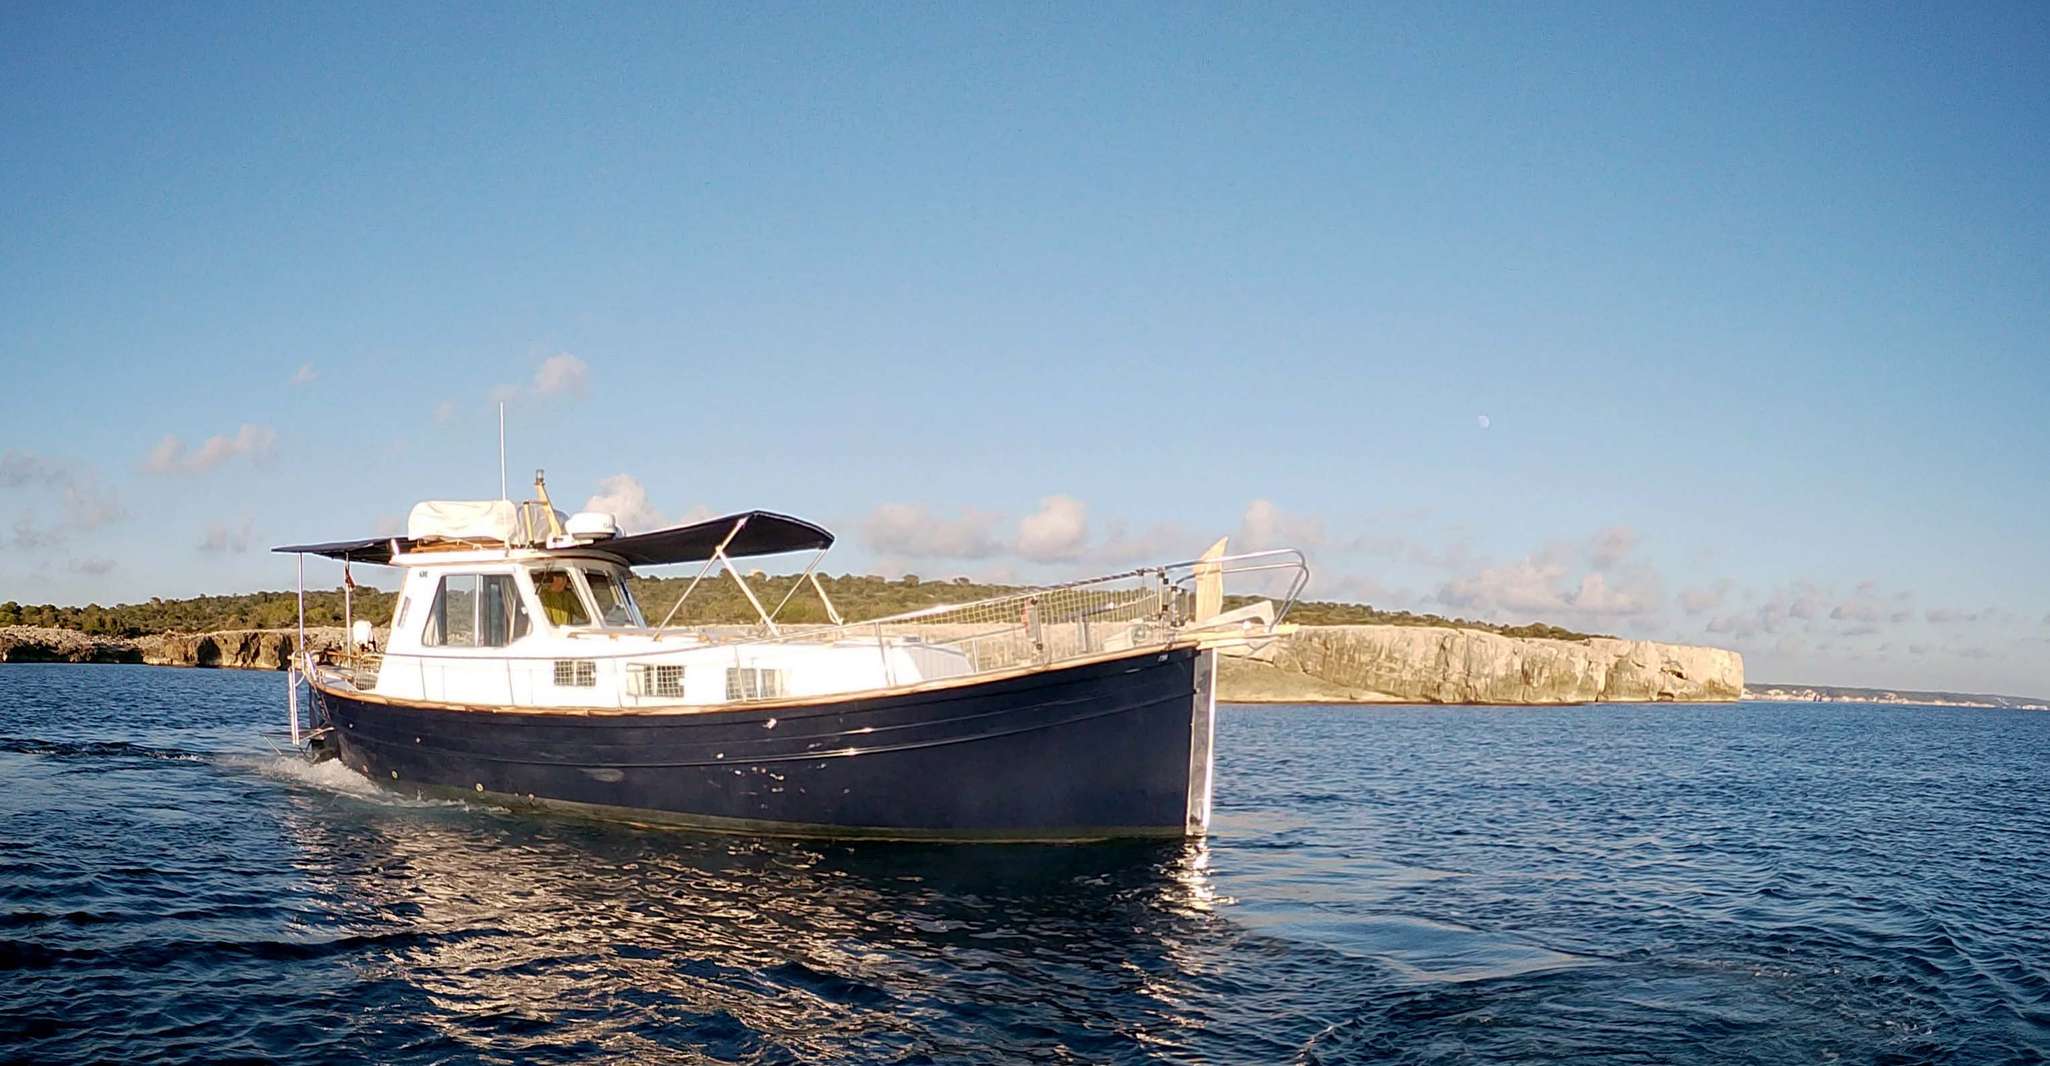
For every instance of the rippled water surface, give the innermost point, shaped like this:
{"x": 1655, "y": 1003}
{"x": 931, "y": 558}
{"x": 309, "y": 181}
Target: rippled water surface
{"x": 1769, "y": 883}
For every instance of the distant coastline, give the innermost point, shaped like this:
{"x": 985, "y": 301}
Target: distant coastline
{"x": 1342, "y": 653}
{"x": 1905, "y": 697}
{"x": 1319, "y": 664}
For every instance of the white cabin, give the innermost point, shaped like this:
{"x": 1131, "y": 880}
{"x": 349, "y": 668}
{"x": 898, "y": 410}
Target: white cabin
{"x": 518, "y": 606}
{"x": 561, "y": 629}
{"x": 500, "y": 606}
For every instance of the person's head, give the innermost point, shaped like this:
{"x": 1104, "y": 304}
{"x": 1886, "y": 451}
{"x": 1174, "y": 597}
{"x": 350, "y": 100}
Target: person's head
{"x": 556, "y": 581}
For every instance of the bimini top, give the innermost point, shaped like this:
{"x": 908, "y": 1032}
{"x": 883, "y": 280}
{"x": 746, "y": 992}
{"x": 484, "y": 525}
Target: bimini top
{"x": 751, "y": 533}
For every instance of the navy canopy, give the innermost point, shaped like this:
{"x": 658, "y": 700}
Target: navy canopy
{"x": 765, "y": 533}
{"x": 760, "y": 533}
{"x": 373, "y": 550}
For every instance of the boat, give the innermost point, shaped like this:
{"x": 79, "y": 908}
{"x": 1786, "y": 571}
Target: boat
{"x": 519, "y": 670}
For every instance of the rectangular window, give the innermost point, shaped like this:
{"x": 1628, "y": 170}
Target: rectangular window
{"x": 656, "y": 679}
{"x": 615, "y": 604}
{"x": 475, "y": 611}
{"x": 501, "y": 619}
{"x": 453, "y": 620}
{"x": 749, "y": 683}
{"x": 559, "y": 599}
{"x": 576, "y": 673}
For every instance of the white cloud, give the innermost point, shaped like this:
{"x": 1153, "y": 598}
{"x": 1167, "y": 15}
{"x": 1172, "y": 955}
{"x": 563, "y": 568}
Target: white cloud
{"x": 1056, "y": 532}
{"x": 1542, "y": 587}
{"x": 170, "y": 455}
{"x": 561, "y": 373}
{"x": 305, "y": 374}
{"x": 1265, "y": 526}
{"x": 445, "y": 412}
{"x": 626, "y": 500}
{"x": 1059, "y": 530}
{"x": 908, "y": 530}
{"x": 1596, "y": 595}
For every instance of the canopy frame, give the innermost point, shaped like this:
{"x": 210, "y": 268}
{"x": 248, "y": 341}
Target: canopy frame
{"x": 737, "y": 536}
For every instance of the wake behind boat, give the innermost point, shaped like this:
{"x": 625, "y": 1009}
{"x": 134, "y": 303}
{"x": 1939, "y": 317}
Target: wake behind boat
{"x": 519, "y": 669}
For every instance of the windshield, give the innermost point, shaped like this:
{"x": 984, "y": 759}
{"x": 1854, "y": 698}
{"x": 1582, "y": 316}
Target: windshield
{"x": 559, "y": 599}
{"x": 615, "y": 604}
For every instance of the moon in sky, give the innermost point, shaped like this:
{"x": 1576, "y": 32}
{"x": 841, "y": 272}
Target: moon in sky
{"x": 1484, "y": 421}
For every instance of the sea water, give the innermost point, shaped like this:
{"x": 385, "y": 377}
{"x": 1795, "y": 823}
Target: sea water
{"x": 1750, "y": 882}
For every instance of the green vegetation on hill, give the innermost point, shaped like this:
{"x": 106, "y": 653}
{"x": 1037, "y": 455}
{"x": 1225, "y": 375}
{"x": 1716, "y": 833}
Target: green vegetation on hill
{"x": 1325, "y": 613}
{"x": 716, "y": 600}
{"x": 201, "y": 614}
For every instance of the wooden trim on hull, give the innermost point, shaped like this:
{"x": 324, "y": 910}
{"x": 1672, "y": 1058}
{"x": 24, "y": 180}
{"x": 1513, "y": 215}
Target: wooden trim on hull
{"x": 1110, "y": 748}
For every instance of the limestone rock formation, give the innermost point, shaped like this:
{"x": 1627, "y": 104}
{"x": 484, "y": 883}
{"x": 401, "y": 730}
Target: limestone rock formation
{"x": 248, "y": 649}
{"x": 1436, "y": 664}
{"x": 39, "y": 644}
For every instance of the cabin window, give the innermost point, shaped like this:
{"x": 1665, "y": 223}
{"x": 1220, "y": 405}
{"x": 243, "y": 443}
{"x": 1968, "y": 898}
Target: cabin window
{"x": 655, "y": 679}
{"x": 615, "y": 604}
{"x": 576, "y": 673}
{"x": 749, "y": 683}
{"x": 475, "y": 611}
{"x": 501, "y": 618}
{"x": 559, "y": 599}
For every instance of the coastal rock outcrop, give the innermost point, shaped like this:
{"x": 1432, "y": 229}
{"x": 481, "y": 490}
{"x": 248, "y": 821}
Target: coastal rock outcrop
{"x": 41, "y": 644}
{"x": 246, "y": 649}
{"x": 1441, "y": 664}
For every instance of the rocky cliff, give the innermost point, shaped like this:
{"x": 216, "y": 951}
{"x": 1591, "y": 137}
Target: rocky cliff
{"x": 1433, "y": 664}
{"x": 1320, "y": 664}
{"x": 248, "y": 649}
{"x": 251, "y": 649}
{"x": 37, "y": 644}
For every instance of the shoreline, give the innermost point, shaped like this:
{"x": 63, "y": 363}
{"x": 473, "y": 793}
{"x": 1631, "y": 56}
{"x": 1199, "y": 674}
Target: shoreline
{"x": 1349, "y": 665}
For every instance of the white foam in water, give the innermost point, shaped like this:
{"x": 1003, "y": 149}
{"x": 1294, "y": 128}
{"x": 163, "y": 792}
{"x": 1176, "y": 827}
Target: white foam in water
{"x": 331, "y": 776}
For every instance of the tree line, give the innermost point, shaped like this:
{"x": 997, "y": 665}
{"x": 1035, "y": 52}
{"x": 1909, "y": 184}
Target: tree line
{"x": 716, "y": 600}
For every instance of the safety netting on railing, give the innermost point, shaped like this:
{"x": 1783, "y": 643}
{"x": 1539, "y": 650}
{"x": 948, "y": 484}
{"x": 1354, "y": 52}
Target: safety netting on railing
{"x": 1044, "y": 626}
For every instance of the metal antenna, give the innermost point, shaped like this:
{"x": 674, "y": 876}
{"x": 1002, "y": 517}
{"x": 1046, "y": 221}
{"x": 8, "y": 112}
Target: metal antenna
{"x": 501, "y": 451}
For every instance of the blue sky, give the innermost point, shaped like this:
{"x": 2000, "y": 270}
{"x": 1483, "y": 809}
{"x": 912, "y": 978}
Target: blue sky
{"x": 1717, "y": 323}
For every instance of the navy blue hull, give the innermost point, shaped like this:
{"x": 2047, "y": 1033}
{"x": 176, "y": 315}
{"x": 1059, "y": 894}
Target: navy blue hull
{"x": 1115, "y": 748}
